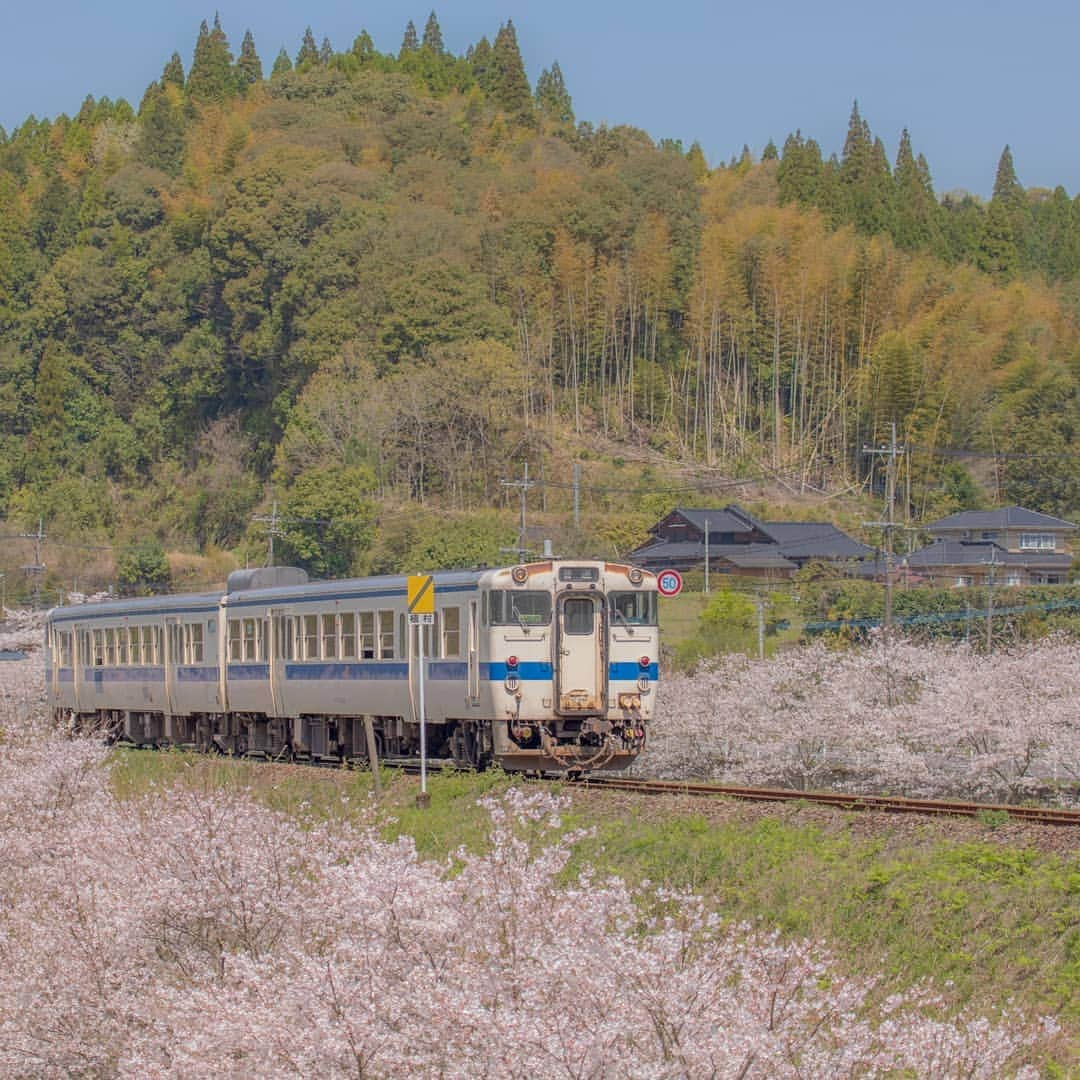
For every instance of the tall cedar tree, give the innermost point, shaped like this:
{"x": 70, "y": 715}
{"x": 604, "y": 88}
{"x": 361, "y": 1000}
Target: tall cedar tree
{"x": 409, "y": 43}
{"x": 864, "y": 178}
{"x": 282, "y": 64}
{"x": 326, "y": 52}
{"x": 1001, "y": 243}
{"x": 552, "y": 97}
{"x": 696, "y": 158}
{"x": 308, "y": 56}
{"x": 915, "y": 222}
{"x": 482, "y": 64}
{"x": 211, "y": 77}
{"x": 363, "y": 48}
{"x": 799, "y": 172}
{"x": 433, "y": 36}
{"x": 173, "y": 75}
{"x": 770, "y": 153}
{"x": 509, "y": 84}
{"x": 249, "y": 66}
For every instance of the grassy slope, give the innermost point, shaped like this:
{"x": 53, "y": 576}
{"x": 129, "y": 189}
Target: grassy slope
{"x": 951, "y": 902}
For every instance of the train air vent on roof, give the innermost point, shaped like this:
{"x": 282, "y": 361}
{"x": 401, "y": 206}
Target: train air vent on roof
{"x": 266, "y": 577}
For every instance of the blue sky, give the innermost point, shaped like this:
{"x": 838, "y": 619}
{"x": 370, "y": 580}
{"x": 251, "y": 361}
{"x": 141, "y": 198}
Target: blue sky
{"x": 965, "y": 76}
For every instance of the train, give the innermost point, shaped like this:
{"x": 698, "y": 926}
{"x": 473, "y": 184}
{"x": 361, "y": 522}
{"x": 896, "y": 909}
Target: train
{"x": 548, "y": 666}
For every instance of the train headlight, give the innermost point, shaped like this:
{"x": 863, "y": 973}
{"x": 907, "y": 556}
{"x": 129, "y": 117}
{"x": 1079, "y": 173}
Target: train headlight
{"x": 511, "y": 661}
{"x": 644, "y": 663}
{"x": 520, "y": 574}
{"x": 636, "y": 576}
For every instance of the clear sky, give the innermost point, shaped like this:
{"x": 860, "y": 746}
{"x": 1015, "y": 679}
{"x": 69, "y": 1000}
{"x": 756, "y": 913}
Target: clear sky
{"x": 964, "y": 76}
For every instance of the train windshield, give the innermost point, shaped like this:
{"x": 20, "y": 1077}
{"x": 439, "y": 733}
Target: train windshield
{"x": 633, "y": 608}
{"x": 520, "y": 607}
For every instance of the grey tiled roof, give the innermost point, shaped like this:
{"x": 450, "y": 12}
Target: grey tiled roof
{"x": 960, "y": 553}
{"x": 730, "y": 518}
{"x": 1004, "y": 517}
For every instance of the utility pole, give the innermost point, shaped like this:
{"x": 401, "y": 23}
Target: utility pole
{"x": 37, "y": 568}
{"x": 707, "y": 557}
{"x": 892, "y": 453}
{"x": 273, "y": 528}
{"x": 523, "y": 486}
{"x": 759, "y": 603}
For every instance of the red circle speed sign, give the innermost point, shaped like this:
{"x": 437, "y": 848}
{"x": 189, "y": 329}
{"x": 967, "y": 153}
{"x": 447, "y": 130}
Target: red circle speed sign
{"x": 669, "y": 583}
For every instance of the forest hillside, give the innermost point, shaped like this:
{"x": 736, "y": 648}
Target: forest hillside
{"x": 356, "y": 291}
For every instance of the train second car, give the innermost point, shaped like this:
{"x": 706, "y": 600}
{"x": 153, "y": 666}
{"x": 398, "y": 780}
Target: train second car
{"x": 547, "y": 666}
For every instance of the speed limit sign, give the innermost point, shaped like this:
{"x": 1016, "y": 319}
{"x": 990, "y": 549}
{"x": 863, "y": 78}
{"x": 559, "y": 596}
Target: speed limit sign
{"x": 669, "y": 583}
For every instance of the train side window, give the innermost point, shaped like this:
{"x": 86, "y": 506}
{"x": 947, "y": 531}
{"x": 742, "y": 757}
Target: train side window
{"x": 329, "y": 637}
{"x": 311, "y": 637}
{"x": 251, "y": 639}
{"x": 451, "y": 631}
{"x": 386, "y": 635}
{"x": 633, "y": 608}
{"x": 367, "y": 635}
{"x": 134, "y": 645}
{"x": 110, "y": 647}
{"x": 194, "y": 650}
{"x": 286, "y": 638}
{"x": 122, "y": 646}
{"x": 348, "y": 636}
{"x": 148, "y": 644}
{"x": 236, "y": 641}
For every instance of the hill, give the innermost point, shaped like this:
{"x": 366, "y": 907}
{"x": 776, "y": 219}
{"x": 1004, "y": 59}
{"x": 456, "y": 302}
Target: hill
{"x": 361, "y": 291}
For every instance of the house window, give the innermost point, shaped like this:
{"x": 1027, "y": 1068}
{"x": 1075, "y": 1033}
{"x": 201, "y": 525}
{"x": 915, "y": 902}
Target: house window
{"x": 962, "y": 580}
{"x": 1037, "y": 542}
{"x": 991, "y": 535}
{"x": 1012, "y": 578}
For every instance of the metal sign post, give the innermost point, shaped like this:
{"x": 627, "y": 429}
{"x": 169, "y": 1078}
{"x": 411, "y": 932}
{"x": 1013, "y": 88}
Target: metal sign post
{"x": 421, "y": 608}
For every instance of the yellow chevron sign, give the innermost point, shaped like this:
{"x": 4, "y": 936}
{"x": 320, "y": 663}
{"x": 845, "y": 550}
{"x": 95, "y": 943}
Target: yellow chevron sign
{"x": 421, "y": 594}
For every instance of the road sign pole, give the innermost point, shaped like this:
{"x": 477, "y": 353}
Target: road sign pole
{"x": 423, "y": 723}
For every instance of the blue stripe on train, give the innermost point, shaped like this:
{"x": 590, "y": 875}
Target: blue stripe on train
{"x": 629, "y": 670}
{"x": 345, "y": 671}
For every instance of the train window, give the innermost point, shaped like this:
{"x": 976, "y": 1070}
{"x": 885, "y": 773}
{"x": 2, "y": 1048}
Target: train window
{"x": 386, "y": 635}
{"x": 65, "y": 650}
{"x": 367, "y": 635}
{"x": 287, "y": 637}
{"x": 122, "y": 646}
{"x": 329, "y": 636}
{"x": 149, "y": 641}
{"x": 110, "y": 647}
{"x": 348, "y": 635}
{"x": 633, "y": 608}
{"x": 251, "y": 639}
{"x": 579, "y": 573}
{"x": 236, "y": 643}
{"x": 451, "y": 631}
{"x": 578, "y": 615}
{"x": 134, "y": 650}
{"x": 311, "y": 637}
{"x": 193, "y": 644}
{"x": 523, "y": 607}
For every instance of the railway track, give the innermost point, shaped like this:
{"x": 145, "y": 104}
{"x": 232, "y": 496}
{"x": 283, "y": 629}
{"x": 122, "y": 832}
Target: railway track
{"x": 1042, "y": 815}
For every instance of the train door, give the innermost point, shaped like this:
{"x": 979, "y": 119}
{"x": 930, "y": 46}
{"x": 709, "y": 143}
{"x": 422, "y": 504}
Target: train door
{"x": 174, "y": 653}
{"x": 81, "y": 661}
{"x": 280, "y": 634}
{"x": 473, "y": 651}
{"x": 579, "y": 675}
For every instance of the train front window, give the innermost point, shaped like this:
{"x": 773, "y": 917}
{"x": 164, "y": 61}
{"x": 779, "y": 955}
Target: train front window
{"x": 633, "y": 608}
{"x": 519, "y": 607}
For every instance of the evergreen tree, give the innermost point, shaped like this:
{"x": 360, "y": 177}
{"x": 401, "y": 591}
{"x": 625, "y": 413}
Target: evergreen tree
{"x": 161, "y": 139}
{"x": 866, "y": 185}
{"x": 326, "y": 52}
{"x": 480, "y": 59}
{"x": 770, "y": 152}
{"x": 363, "y": 48}
{"x": 409, "y": 43}
{"x": 173, "y": 75}
{"x": 211, "y": 77}
{"x": 1007, "y": 187}
{"x": 799, "y": 172}
{"x": 998, "y": 251}
{"x": 915, "y": 220}
{"x": 696, "y": 157}
{"x": 510, "y": 85}
{"x": 308, "y": 56}
{"x": 282, "y": 64}
{"x": 249, "y": 66}
{"x": 433, "y": 39}
{"x": 551, "y": 95}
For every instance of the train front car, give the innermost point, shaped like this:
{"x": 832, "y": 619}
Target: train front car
{"x": 576, "y": 648}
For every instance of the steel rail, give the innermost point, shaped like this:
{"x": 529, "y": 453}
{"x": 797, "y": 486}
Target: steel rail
{"x": 1045, "y": 815}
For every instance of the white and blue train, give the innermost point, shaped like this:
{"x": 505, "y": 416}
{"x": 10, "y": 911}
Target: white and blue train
{"x": 547, "y": 666}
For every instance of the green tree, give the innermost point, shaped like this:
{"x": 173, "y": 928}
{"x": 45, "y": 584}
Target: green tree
{"x": 433, "y": 39}
{"x": 915, "y": 223}
{"x": 142, "y": 568}
{"x": 308, "y": 56}
{"x": 409, "y": 43}
{"x": 552, "y": 97}
{"x": 162, "y": 139}
{"x": 770, "y": 153}
{"x": 248, "y": 67}
{"x": 799, "y": 172}
{"x": 211, "y": 76}
{"x": 509, "y": 83}
{"x": 173, "y": 75}
{"x": 865, "y": 181}
{"x": 480, "y": 59}
{"x": 326, "y": 52}
{"x": 282, "y": 64}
